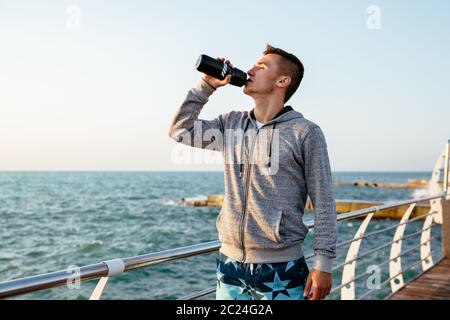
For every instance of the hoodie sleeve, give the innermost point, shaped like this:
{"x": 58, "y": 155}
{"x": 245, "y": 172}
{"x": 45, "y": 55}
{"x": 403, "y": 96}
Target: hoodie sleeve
{"x": 320, "y": 189}
{"x": 188, "y": 129}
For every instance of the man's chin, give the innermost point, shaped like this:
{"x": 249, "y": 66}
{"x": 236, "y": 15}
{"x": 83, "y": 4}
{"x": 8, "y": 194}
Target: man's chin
{"x": 247, "y": 90}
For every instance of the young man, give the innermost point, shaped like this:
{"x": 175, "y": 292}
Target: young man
{"x": 278, "y": 158}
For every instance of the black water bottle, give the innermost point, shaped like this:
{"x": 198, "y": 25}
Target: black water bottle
{"x": 220, "y": 70}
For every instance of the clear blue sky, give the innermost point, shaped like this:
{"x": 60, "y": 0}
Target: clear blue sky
{"x": 101, "y": 97}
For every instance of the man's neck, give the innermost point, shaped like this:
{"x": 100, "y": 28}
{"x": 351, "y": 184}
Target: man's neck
{"x": 266, "y": 108}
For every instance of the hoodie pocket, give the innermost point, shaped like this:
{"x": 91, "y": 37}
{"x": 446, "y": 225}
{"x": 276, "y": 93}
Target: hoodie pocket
{"x": 224, "y": 229}
{"x": 275, "y": 230}
{"x": 219, "y": 223}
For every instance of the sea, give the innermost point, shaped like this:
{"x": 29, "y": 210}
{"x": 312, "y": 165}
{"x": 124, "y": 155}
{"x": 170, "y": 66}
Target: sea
{"x": 51, "y": 221}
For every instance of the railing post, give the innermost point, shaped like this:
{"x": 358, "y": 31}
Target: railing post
{"x": 446, "y": 206}
{"x": 395, "y": 266}
{"x": 348, "y": 273}
{"x": 445, "y": 229}
{"x": 446, "y": 166}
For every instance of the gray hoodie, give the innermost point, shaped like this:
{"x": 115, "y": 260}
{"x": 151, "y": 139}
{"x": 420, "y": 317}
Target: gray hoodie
{"x": 268, "y": 175}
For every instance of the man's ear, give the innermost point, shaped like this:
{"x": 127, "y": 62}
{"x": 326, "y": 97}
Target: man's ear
{"x": 284, "y": 82}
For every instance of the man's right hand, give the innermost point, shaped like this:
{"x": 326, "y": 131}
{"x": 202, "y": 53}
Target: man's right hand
{"x": 216, "y": 83}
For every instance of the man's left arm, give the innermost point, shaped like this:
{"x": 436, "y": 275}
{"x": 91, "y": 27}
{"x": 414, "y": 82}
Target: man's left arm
{"x": 320, "y": 189}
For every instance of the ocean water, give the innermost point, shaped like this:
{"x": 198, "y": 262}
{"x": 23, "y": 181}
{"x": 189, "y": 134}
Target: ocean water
{"x": 50, "y": 221}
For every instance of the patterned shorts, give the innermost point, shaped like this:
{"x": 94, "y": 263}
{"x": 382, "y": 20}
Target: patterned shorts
{"x": 260, "y": 281}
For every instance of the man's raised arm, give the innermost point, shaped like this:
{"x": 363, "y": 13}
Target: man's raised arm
{"x": 188, "y": 129}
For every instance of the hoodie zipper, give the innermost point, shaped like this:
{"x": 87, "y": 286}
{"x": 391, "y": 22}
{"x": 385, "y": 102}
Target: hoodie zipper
{"x": 247, "y": 178}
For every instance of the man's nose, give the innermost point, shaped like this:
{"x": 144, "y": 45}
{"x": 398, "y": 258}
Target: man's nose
{"x": 251, "y": 72}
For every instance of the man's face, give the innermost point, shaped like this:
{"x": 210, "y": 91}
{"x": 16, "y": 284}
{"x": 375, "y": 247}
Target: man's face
{"x": 263, "y": 76}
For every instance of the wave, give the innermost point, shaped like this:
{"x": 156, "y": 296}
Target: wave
{"x": 87, "y": 247}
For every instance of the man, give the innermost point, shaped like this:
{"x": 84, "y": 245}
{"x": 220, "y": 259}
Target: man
{"x": 279, "y": 158}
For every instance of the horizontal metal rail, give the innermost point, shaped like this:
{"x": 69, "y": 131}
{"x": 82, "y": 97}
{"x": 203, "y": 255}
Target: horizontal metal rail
{"x": 366, "y": 236}
{"x": 152, "y": 259}
{"x": 95, "y": 271}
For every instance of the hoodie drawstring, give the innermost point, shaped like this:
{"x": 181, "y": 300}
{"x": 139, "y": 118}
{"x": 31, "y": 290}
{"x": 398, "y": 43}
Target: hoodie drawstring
{"x": 270, "y": 147}
{"x": 241, "y": 166}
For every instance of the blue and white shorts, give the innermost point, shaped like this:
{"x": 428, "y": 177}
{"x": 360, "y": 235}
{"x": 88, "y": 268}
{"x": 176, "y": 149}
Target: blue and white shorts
{"x": 260, "y": 281}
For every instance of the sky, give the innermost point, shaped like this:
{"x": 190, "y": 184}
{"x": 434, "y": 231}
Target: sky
{"x": 93, "y": 85}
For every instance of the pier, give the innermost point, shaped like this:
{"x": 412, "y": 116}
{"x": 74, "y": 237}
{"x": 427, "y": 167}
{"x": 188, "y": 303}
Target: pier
{"x": 434, "y": 284}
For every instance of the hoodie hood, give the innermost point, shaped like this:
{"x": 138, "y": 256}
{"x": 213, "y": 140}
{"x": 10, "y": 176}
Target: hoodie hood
{"x": 286, "y": 114}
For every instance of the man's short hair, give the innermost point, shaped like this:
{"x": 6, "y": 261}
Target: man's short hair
{"x": 291, "y": 66}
